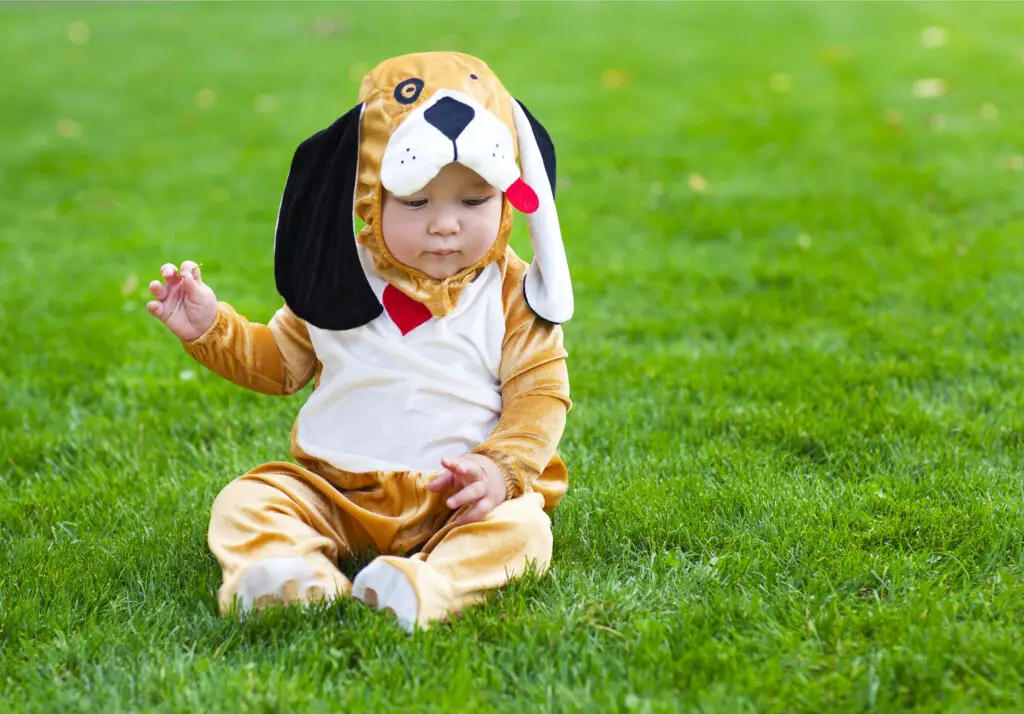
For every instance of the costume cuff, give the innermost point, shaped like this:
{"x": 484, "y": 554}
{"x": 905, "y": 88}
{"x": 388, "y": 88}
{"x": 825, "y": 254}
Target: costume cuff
{"x": 515, "y": 486}
{"x": 213, "y": 332}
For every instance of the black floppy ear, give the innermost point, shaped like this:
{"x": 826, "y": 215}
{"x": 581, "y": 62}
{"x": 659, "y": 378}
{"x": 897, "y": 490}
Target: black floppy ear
{"x": 544, "y": 143}
{"x": 316, "y": 264}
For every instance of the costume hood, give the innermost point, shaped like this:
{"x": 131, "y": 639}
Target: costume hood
{"x": 416, "y": 114}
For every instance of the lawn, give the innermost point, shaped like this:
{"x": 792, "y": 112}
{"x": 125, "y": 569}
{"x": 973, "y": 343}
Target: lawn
{"x": 796, "y": 233}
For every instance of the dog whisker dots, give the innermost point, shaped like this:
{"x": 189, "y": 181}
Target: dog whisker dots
{"x": 78, "y": 33}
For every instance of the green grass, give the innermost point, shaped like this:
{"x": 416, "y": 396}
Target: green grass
{"x": 797, "y": 442}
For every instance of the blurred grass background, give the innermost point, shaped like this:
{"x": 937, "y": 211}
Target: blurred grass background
{"x": 795, "y": 232}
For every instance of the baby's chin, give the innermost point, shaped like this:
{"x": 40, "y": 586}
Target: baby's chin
{"x": 442, "y": 268}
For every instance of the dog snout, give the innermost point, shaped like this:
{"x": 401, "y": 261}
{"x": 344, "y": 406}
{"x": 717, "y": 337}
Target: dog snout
{"x": 450, "y": 117}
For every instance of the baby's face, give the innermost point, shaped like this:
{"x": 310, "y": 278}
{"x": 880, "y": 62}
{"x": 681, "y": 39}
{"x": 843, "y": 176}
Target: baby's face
{"x": 447, "y": 226}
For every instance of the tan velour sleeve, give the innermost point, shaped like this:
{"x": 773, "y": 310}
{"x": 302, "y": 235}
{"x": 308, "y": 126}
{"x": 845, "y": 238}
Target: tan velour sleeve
{"x": 534, "y": 390}
{"x": 276, "y": 358}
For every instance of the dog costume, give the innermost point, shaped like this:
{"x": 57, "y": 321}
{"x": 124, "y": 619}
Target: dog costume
{"x": 406, "y": 368}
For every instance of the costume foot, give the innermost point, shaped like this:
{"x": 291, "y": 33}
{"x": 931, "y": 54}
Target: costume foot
{"x": 275, "y": 581}
{"x": 385, "y": 587}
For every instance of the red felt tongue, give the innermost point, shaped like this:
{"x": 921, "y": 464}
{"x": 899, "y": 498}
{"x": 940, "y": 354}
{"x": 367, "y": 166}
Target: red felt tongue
{"x": 405, "y": 312}
{"x": 522, "y": 197}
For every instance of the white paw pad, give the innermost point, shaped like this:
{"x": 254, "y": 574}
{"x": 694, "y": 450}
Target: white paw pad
{"x": 385, "y": 587}
{"x": 278, "y": 580}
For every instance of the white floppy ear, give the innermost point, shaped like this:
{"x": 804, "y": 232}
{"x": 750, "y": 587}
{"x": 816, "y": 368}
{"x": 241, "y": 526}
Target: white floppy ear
{"x": 548, "y": 288}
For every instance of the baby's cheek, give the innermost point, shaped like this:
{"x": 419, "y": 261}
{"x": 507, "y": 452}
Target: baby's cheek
{"x": 481, "y": 244}
{"x": 397, "y": 236}
{"x": 490, "y": 224}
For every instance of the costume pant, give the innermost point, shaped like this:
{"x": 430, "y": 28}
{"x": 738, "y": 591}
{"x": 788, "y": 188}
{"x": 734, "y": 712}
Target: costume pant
{"x": 281, "y": 510}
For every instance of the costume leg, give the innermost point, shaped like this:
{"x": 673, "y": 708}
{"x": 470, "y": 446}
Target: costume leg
{"x": 460, "y": 564}
{"x": 277, "y": 536}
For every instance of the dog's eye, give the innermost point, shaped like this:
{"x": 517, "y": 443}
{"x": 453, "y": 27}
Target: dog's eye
{"x": 408, "y": 91}
{"x": 473, "y": 76}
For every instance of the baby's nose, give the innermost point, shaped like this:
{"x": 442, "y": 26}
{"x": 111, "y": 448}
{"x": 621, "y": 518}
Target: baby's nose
{"x": 443, "y": 227}
{"x": 450, "y": 116}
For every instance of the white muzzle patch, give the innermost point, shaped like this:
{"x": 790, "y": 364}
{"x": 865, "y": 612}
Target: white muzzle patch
{"x": 451, "y": 127}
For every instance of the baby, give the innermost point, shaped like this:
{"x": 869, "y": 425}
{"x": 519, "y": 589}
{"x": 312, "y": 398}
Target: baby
{"x": 440, "y": 385}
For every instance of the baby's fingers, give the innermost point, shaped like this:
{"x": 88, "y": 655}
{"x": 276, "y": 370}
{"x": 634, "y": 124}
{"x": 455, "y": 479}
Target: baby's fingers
{"x": 463, "y": 467}
{"x": 476, "y": 513}
{"x": 188, "y": 283}
{"x": 169, "y": 273}
{"x": 442, "y": 482}
{"x": 158, "y": 289}
{"x": 156, "y": 308}
{"x": 473, "y": 492}
{"x": 189, "y": 267}
{"x": 449, "y": 463}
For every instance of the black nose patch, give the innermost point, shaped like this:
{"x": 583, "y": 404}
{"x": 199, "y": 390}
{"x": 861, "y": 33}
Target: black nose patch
{"x": 450, "y": 117}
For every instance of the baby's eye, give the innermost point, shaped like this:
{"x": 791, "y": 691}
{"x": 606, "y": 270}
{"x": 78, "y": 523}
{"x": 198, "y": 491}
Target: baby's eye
{"x": 476, "y": 201}
{"x": 415, "y": 203}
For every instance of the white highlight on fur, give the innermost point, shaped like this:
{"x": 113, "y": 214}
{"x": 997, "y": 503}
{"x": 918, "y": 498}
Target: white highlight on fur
{"x": 385, "y": 587}
{"x": 548, "y": 284}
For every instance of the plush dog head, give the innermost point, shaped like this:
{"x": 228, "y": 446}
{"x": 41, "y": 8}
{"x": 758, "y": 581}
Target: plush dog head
{"x": 417, "y": 113}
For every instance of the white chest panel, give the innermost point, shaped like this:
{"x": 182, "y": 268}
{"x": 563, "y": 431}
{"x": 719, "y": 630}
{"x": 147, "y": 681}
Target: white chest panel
{"x": 388, "y": 402}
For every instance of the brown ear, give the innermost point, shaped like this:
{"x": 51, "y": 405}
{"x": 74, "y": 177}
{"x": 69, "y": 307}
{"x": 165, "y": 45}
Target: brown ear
{"x": 316, "y": 264}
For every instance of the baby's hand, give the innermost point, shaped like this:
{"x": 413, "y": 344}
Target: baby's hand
{"x": 185, "y": 304}
{"x": 476, "y": 478}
